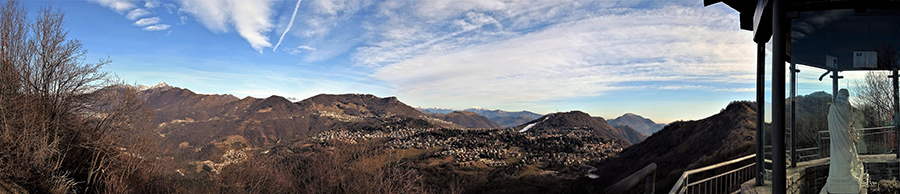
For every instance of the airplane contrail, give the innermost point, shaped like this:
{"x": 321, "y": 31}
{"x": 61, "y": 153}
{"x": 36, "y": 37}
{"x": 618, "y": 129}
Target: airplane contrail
{"x": 289, "y": 25}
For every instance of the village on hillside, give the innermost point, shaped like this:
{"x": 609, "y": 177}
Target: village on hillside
{"x": 490, "y": 147}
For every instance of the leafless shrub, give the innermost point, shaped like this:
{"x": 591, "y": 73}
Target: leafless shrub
{"x": 874, "y": 100}
{"x": 60, "y": 131}
{"x": 872, "y": 96}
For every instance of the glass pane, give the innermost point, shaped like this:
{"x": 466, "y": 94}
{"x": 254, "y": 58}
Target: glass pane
{"x": 846, "y": 39}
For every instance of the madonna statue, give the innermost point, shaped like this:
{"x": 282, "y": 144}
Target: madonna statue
{"x": 845, "y": 173}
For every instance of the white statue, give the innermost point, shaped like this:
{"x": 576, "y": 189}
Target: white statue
{"x": 845, "y": 173}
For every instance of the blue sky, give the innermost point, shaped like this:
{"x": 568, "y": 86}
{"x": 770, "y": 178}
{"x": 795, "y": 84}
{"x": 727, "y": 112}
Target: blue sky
{"x": 666, "y": 60}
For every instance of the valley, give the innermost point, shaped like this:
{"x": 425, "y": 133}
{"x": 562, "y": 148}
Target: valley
{"x": 221, "y": 134}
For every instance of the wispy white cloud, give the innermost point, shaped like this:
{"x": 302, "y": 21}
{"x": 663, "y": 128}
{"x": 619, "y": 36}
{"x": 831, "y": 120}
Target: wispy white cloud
{"x": 147, "y": 21}
{"x": 137, "y": 13}
{"x": 288, "y": 28}
{"x": 150, "y": 4}
{"x": 328, "y": 14}
{"x": 133, "y": 12}
{"x": 332, "y": 7}
{"x": 333, "y": 27}
{"x": 157, "y": 27}
{"x": 119, "y": 6}
{"x": 300, "y": 49}
{"x": 251, "y": 19}
{"x": 588, "y": 56}
{"x": 171, "y": 8}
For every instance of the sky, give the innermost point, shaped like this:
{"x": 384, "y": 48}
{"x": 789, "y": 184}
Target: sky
{"x": 665, "y": 60}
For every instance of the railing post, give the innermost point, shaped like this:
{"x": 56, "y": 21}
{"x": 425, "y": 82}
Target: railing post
{"x": 819, "y": 139}
{"x": 794, "y": 72}
{"x": 896, "y": 110}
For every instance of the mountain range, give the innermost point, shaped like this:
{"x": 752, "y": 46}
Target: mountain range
{"x": 199, "y": 124}
{"x": 188, "y": 118}
{"x": 504, "y": 118}
{"x": 639, "y": 123}
{"x": 200, "y": 127}
{"x": 192, "y": 120}
{"x": 580, "y": 120}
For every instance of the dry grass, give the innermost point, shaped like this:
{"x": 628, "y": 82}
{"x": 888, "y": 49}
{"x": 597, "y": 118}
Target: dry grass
{"x": 344, "y": 169}
{"x": 439, "y": 161}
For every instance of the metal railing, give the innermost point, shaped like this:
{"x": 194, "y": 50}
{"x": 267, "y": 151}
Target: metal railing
{"x": 803, "y": 154}
{"x": 648, "y": 173}
{"x": 876, "y": 139}
{"x": 726, "y": 182}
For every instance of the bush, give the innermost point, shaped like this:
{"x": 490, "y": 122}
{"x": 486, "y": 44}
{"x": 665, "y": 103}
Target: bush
{"x": 60, "y": 130}
{"x": 885, "y": 186}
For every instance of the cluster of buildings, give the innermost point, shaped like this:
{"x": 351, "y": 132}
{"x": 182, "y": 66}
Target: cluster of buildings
{"x": 231, "y": 156}
{"x": 490, "y": 156}
{"x": 339, "y": 116}
{"x": 417, "y": 142}
{"x": 357, "y": 136}
{"x": 492, "y": 147}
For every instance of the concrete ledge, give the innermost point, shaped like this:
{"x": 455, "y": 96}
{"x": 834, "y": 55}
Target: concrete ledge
{"x": 809, "y": 177}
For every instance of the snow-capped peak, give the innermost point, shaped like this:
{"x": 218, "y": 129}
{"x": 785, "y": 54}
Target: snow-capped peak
{"x": 160, "y": 85}
{"x": 477, "y": 108}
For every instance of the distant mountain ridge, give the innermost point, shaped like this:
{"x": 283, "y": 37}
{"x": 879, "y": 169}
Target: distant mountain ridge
{"x": 581, "y": 120}
{"x": 359, "y": 105}
{"x": 195, "y": 125}
{"x": 467, "y": 119}
{"x": 504, "y": 118}
{"x": 639, "y": 123}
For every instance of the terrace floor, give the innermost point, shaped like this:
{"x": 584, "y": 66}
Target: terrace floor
{"x": 796, "y": 176}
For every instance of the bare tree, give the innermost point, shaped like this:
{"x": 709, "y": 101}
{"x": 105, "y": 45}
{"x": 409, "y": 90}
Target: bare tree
{"x": 873, "y": 96}
{"x": 873, "y": 99}
{"x": 60, "y": 130}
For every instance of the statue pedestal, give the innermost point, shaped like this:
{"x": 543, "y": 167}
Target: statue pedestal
{"x": 861, "y": 191}
{"x": 846, "y": 186}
